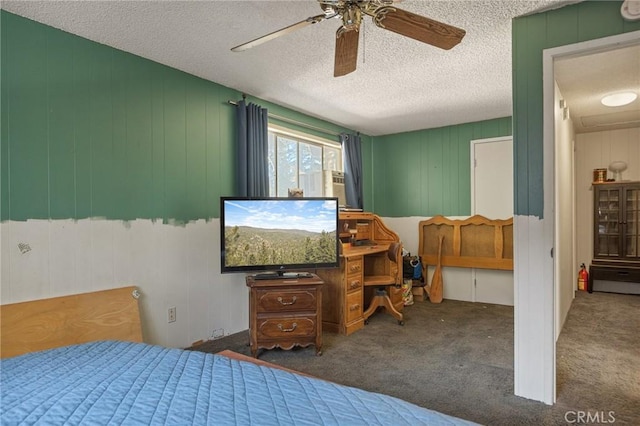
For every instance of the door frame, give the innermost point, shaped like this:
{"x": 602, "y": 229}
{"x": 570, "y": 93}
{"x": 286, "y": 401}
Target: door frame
{"x": 550, "y": 169}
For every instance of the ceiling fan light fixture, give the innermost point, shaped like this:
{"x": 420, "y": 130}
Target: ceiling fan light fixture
{"x": 408, "y": 24}
{"x": 619, "y": 99}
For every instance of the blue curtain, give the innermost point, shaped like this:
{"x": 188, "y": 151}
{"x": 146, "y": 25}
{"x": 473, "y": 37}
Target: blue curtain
{"x": 352, "y": 160}
{"x": 252, "y": 159}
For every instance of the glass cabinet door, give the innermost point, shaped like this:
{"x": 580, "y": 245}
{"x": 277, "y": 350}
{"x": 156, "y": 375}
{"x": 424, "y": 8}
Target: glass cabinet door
{"x": 608, "y": 221}
{"x": 632, "y": 214}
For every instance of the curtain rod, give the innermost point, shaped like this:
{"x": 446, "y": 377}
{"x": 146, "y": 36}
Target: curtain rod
{"x": 297, "y": 123}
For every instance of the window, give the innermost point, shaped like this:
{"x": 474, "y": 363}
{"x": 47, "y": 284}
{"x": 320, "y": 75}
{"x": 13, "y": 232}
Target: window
{"x": 297, "y": 160}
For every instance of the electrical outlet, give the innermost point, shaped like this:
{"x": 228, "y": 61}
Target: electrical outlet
{"x": 171, "y": 317}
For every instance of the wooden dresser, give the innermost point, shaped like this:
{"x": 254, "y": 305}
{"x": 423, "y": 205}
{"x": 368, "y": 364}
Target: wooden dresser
{"x": 344, "y": 294}
{"x": 285, "y": 313}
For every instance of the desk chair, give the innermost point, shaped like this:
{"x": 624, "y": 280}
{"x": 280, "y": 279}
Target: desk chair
{"x": 392, "y": 277}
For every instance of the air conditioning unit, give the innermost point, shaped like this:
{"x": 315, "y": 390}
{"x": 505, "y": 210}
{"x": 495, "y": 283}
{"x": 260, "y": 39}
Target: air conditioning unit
{"x": 334, "y": 186}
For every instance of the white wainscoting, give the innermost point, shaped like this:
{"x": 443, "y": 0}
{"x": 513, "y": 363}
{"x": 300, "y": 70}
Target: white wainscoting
{"x": 173, "y": 265}
{"x": 534, "y": 340}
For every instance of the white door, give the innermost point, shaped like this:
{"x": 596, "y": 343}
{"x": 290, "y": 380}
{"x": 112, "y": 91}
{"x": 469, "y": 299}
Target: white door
{"x": 492, "y": 197}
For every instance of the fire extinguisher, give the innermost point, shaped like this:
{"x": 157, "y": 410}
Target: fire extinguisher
{"x": 583, "y": 278}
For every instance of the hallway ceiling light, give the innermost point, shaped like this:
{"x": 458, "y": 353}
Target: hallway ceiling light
{"x": 619, "y": 99}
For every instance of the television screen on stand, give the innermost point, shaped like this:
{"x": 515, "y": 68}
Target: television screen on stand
{"x": 278, "y": 237}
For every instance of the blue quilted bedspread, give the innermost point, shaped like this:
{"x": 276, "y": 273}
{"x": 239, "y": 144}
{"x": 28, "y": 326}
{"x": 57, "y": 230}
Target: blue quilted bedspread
{"x": 132, "y": 383}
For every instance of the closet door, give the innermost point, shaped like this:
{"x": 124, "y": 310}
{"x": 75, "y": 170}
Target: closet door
{"x": 492, "y": 197}
{"x": 492, "y": 178}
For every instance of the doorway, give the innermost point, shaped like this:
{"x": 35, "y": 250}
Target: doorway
{"x": 555, "y": 176}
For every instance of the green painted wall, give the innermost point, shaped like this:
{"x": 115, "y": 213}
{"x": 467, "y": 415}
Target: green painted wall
{"x": 91, "y": 131}
{"x": 532, "y": 34}
{"x": 427, "y": 172}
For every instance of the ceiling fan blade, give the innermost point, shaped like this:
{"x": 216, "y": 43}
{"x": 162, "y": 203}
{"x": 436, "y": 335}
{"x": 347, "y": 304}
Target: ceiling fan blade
{"x": 419, "y": 27}
{"x": 346, "y": 51}
{"x": 291, "y": 28}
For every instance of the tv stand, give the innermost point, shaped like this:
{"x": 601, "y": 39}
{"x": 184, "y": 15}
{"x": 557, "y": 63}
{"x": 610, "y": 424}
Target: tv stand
{"x": 285, "y": 313}
{"x": 281, "y": 275}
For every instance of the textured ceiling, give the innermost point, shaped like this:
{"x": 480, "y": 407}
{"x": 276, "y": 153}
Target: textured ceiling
{"x": 584, "y": 80}
{"x": 400, "y": 84}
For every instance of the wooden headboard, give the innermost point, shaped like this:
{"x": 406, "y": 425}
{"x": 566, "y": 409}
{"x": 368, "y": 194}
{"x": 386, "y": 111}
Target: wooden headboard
{"x": 476, "y": 242}
{"x": 61, "y": 321}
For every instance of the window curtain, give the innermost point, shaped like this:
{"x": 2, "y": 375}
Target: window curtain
{"x": 252, "y": 137}
{"x": 352, "y": 160}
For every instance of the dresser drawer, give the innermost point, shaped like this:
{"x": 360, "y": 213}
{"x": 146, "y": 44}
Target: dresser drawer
{"x": 278, "y": 328}
{"x": 612, "y": 273}
{"x": 353, "y": 275}
{"x": 353, "y": 266}
{"x": 354, "y": 282}
{"x": 354, "y": 306}
{"x": 295, "y": 300}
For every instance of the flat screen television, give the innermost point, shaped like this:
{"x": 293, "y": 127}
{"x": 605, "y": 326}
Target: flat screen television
{"x": 278, "y": 235}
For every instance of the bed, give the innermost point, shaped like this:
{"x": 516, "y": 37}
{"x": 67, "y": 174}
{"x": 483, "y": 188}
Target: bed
{"x": 130, "y": 382}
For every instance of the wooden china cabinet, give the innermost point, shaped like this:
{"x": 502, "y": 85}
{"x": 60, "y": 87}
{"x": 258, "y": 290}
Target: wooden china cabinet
{"x": 616, "y": 245}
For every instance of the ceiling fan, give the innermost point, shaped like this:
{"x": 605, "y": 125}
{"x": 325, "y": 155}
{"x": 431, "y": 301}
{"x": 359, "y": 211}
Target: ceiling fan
{"x": 383, "y": 14}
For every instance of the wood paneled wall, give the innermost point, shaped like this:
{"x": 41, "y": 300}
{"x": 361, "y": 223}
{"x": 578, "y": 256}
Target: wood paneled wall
{"x": 531, "y": 35}
{"x": 91, "y": 131}
{"x": 428, "y": 172}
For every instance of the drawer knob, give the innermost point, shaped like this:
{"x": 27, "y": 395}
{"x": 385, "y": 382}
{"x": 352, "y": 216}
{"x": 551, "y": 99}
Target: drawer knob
{"x": 354, "y": 307}
{"x": 287, "y": 330}
{"x": 293, "y": 300}
{"x": 354, "y": 284}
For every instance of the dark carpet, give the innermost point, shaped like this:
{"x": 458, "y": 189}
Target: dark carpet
{"x": 457, "y": 358}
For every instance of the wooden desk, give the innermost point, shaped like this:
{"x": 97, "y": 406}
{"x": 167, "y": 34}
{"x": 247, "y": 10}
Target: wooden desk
{"x": 344, "y": 295}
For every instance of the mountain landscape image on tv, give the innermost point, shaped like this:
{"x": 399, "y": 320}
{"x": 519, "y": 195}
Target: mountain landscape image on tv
{"x": 279, "y": 233}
